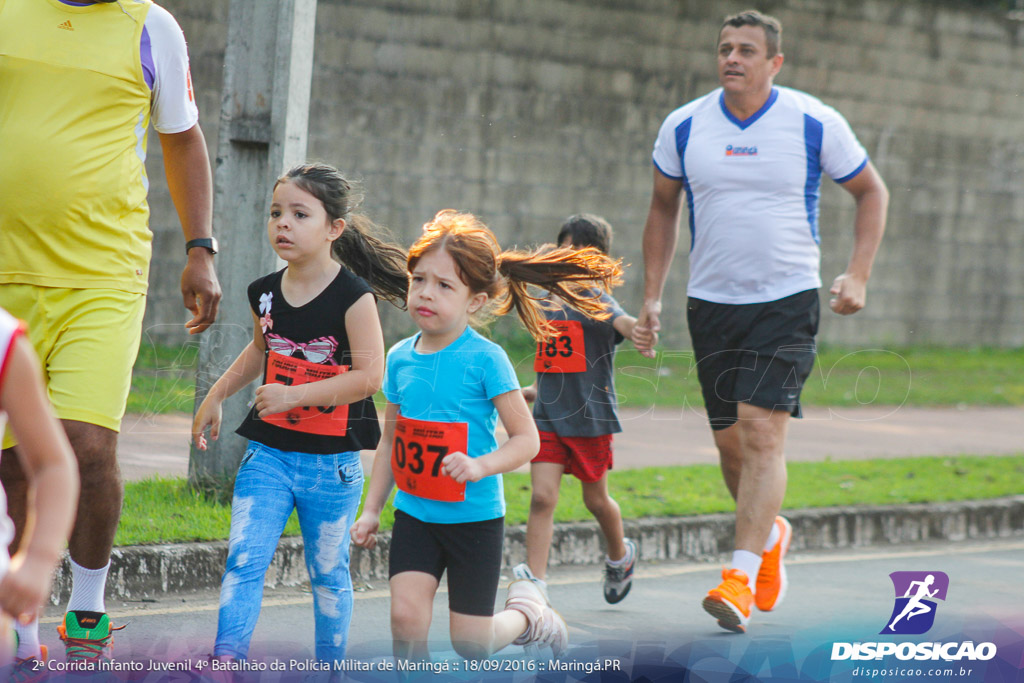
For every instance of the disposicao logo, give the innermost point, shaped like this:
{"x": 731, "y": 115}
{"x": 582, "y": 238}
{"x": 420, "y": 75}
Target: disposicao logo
{"x": 913, "y": 613}
{"x": 916, "y": 592}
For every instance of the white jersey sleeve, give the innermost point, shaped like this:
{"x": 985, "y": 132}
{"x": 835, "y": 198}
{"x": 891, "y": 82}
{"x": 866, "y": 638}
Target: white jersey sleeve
{"x": 666, "y": 151}
{"x": 174, "y": 107}
{"x": 842, "y": 155}
{"x": 675, "y": 130}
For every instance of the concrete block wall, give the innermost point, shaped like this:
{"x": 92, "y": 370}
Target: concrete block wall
{"x": 526, "y": 111}
{"x": 139, "y": 572}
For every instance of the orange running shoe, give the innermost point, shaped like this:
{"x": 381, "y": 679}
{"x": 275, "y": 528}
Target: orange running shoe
{"x": 730, "y": 602}
{"x": 771, "y": 580}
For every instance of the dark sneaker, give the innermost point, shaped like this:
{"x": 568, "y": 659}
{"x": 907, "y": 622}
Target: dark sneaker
{"x": 87, "y": 636}
{"x": 618, "y": 578}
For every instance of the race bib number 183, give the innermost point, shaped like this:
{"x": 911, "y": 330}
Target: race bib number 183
{"x": 565, "y": 352}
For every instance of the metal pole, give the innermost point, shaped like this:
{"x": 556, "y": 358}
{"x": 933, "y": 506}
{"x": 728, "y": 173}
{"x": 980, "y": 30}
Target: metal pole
{"x": 268, "y": 70}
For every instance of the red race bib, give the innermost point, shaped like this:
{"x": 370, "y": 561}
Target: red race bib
{"x": 565, "y": 352}
{"x": 322, "y": 420}
{"x": 416, "y": 455}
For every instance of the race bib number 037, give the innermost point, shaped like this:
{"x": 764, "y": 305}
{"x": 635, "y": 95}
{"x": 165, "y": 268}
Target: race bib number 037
{"x": 416, "y": 455}
{"x": 565, "y": 352}
{"x": 322, "y": 420}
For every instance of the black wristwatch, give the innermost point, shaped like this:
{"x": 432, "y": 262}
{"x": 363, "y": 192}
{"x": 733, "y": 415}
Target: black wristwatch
{"x": 204, "y": 242}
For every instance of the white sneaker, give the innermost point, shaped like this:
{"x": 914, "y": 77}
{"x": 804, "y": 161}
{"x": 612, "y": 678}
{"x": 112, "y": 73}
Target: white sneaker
{"x": 522, "y": 571}
{"x": 544, "y": 626}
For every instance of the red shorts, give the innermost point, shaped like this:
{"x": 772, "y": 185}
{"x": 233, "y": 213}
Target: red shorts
{"x": 585, "y": 457}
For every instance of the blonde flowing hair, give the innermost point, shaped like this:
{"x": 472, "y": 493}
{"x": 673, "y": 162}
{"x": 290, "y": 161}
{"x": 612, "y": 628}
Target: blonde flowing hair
{"x": 577, "y": 276}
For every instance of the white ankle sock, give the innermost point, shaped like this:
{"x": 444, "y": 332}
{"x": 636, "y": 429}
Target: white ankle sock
{"x": 773, "y": 537}
{"x": 28, "y": 639}
{"x": 619, "y": 562}
{"x": 630, "y": 552}
{"x": 748, "y": 563}
{"x": 87, "y": 588}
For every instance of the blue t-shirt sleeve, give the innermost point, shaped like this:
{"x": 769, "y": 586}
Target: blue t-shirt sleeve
{"x": 499, "y": 375}
{"x": 390, "y": 384}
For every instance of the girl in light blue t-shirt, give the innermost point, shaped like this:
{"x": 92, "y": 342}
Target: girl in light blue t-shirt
{"x": 445, "y": 388}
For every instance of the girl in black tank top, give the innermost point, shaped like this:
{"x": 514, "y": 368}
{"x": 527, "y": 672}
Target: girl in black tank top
{"x": 318, "y": 347}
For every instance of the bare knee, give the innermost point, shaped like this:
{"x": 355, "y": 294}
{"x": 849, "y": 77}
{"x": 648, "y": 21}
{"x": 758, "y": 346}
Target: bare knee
{"x": 472, "y": 636}
{"x": 545, "y": 479}
{"x": 543, "y": 501}
{"x": 730, "y": 456}
{"x": 597, "y": 502}
{"x": 761, "y": 433}
{"x": 731, "y": 462}
{"x": 469, "y": 649}
{"x": 96, "y": 452}
{"x": 406, "y": 625}
{"x": 408, "y": 621}
{"x": 93, "y": 445}
{"x": 727, "y": 441}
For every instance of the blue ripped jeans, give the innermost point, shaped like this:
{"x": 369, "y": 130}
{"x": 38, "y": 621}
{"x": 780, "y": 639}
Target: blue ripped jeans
{"x": 325, "y": 490}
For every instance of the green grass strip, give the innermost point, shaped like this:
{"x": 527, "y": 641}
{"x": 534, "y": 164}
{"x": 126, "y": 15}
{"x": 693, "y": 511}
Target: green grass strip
{"x": 165, "y": 510}
{"x": 164, "y": 377}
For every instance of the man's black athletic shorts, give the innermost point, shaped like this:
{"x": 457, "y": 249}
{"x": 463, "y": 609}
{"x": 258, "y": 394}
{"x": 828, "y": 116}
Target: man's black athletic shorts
{"x": 759, "y": 354}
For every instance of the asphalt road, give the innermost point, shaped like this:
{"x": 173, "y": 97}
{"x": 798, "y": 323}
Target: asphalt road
{"x": 833, "y": 597}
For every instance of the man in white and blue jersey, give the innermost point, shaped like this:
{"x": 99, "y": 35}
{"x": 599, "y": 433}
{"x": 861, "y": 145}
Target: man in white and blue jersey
{"x": 747, "y": 159}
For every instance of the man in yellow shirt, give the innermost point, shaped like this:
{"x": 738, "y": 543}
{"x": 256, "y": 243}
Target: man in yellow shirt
{"x": 80, "y": 83}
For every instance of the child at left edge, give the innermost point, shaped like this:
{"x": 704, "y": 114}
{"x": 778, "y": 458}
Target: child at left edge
{"x": 50, "y": 467}
{"x": 445, "y": 389}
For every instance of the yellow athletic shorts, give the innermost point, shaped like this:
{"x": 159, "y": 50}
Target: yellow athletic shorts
{"x": 87, "y": 341}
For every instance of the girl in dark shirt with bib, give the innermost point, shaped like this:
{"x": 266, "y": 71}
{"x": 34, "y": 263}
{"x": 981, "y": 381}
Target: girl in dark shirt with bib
{"x": 319, "y": 348}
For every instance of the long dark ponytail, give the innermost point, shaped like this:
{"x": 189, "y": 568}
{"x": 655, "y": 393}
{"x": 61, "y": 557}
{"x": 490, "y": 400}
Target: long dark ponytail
{"x": 364, "y": 247}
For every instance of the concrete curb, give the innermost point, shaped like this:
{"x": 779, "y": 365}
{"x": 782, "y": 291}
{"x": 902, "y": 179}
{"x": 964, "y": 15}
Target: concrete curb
{"x": 149, "y": 571}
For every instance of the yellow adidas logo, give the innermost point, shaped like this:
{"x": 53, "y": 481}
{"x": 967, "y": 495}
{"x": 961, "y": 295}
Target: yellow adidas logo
{"x": 66, "y": 26}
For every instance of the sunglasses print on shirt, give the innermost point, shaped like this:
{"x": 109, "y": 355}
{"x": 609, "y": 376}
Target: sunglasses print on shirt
{"x": 320, "y": 350}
